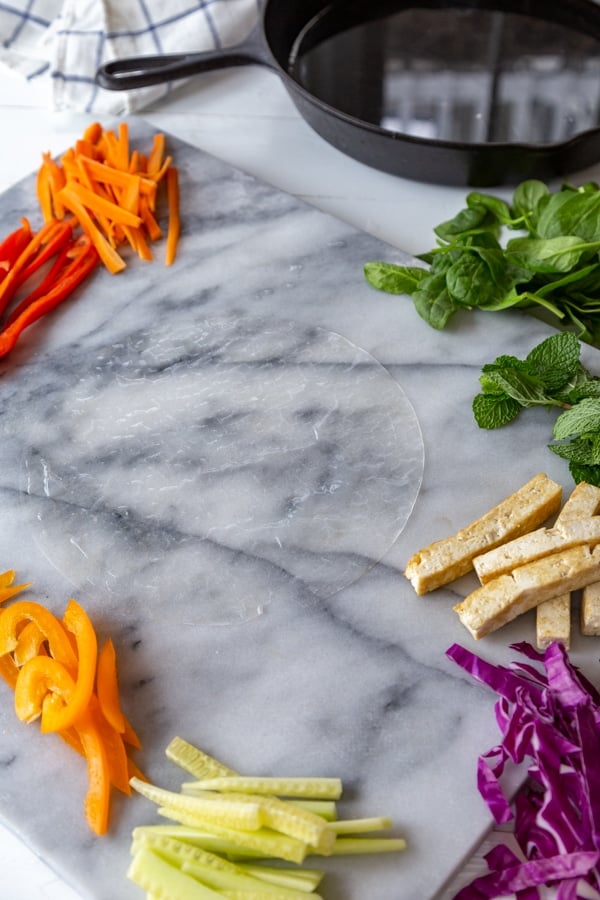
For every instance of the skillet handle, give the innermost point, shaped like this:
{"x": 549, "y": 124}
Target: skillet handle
{"x": 143, "y": 71}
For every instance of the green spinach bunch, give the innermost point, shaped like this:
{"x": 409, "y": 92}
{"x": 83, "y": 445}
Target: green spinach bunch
{"x": 551, "y": 375}
{"x": 551, "y": 268}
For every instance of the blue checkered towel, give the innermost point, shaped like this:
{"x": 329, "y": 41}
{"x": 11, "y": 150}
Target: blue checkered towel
{"x": 66, "y": 41}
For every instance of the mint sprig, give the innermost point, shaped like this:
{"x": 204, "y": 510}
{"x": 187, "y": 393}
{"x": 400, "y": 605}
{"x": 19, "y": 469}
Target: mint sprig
{"x": 550, "y": 375}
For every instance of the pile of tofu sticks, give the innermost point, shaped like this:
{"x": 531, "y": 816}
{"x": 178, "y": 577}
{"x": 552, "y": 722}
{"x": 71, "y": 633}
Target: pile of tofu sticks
{"x": 523, "y": 563}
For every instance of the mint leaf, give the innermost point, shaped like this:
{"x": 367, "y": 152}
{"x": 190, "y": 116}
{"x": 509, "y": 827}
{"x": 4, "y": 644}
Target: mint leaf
{"x": 521, "y": 386}
{"x": 555, "y": 360}
{"x": 582, "y": 418}
{"x": 581, "y": 450}
{"x": 494, "y": 411}
{"x": 589, "y": 474}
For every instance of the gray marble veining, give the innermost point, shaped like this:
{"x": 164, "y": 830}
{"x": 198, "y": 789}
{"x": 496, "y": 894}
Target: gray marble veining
{"x": 228, "y": 463}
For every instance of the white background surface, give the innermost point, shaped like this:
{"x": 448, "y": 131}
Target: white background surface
{"x": 245, "y": 117}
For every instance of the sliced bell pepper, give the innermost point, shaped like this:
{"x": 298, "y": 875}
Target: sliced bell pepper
{"x": 58, "y": 717}
{"x": 7, "y": 588}
{"x": 97, "y": 800}
{"x": 42, "y": 683}
{"x": 32, "y": 310}
{"x": 30, "y": 643}
{"x": 12, "y": 617}
{"x": 52, "y": 666}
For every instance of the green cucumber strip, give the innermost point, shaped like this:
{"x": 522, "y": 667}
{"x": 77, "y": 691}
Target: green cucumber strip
{"x": 210, "y": 869}
{"x": 195, "y": 761}
{"x": 308, "y": 788}
{"x": 297, "y": 823}
{"x": 156, "y": 876}
{"x": 223, "y": 881}
{"x": 261, "y": 895}
{"x": 193, "y": 836}
{"x": 280, "y": 815}
{"x": 303, "y": 879}
{"x": 263, "y": 842}
{"x": 357, "y": 845}
{"x": 178, "y": 852}
{"x": 326, "y": 809}
{"x": 244, "y": 814}
{"x": 359, "y": 826}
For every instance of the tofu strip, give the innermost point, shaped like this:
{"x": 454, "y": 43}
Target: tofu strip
{"x": 449, "y": 559}
{"x": 542, "y": 542}
{"x": 590, "y": 609}
{"x": 508, "y": 596}
{"x": 553, "y": 617}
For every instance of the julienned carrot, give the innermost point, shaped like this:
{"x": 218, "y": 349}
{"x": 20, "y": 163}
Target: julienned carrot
{"x": 103, "y": 186}
{"x": 174, "y": 220}
{"x": 101, "y": 189}
{"x": 109, "y": 256}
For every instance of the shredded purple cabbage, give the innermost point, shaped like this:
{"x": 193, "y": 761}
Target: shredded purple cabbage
{"x": 548, "y": 715}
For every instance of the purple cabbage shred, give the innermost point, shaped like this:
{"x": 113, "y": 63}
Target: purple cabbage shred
{"x": 548, "y": 715}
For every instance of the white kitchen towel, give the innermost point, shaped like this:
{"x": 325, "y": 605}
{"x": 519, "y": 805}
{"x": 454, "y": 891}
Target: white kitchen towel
{"x": 65, "y": 41}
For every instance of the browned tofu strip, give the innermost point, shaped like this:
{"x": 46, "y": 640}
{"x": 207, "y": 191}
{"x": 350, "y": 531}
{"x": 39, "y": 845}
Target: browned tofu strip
{"x": 590, "y": 609}
{"x": 535, "y": 545}
{"x": 508, "y": 596}
{"x": 449, "y": 559}
{"x": 553, "y": 617}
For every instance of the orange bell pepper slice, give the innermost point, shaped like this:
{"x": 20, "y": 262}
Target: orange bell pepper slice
{"x": 8, "y": 670}
{"x": 59, "y": 644}
{"x": 30, "y": 643}
{"x": 58, "y": 675}
{"x": 7, "y": 588}
{"x": 97, "y": 800}
{"x": 107, "y": 686}
{"x": 42, "y": 683}
{"x": 56, "y": 717}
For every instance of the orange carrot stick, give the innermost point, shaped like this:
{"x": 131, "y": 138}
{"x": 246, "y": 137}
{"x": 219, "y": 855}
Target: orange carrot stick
{"x": 174, "y": 226}
{"x": 109, "y": 256}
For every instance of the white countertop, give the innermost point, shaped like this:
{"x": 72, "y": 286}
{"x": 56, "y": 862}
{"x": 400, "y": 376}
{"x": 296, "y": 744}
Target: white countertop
{"x": 245, "y": 118}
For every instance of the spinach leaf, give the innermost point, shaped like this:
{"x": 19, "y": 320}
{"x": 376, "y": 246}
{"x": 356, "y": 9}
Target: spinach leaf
{"x": 552, "y": 270}
{"x": 578, "y": 214}
{"x": 529, "y": 198}
{"x": 468, "y": 221}
{"x": 433, "y": 302}
{"x": 394, "y": 279}
{"x": 547, "y": 255}
{"x": 479, "y": 278}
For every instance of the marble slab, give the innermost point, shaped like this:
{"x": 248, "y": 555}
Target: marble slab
{"x": 228, "y": 462}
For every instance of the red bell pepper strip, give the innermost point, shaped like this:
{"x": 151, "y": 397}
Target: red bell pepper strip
{"x": 59, "y": 237}
{"x": 12, "y": 246}
{"x": 31, "y": 312}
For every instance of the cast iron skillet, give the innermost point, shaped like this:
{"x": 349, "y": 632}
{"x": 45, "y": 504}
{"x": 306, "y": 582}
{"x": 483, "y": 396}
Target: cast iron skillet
{"x": 457, "y": 92}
